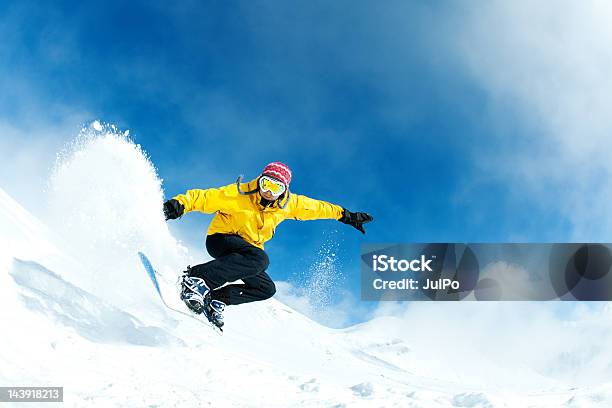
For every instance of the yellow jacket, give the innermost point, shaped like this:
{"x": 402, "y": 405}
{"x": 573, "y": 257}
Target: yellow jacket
{"x": 245, "y": 216}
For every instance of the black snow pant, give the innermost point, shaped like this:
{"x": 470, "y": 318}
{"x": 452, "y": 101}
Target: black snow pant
{"x": 235, "y": 259}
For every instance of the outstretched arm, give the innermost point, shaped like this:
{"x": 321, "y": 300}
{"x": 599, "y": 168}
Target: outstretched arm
{"x": 206, "y": 201}
{"x": 305, "y": 208}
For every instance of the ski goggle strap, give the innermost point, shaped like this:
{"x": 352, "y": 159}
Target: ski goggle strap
{"x": 238, "y": 181}
{"x": 275, "y": 187}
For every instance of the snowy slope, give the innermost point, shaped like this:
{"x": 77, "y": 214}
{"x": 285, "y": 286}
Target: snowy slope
{"x": 270, "y": 355}
{"x": 85, "y": 317}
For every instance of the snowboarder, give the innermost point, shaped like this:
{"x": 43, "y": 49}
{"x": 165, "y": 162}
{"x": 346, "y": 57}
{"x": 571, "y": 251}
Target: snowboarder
{"x": 246, "y": 217}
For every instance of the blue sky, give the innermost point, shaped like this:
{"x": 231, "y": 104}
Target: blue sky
{"x": 406, "y": 110}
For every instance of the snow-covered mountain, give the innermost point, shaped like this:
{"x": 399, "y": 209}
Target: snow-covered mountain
{"x": 78, "y": 311}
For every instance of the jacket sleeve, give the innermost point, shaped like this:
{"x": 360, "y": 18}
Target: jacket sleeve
{"x": 207, "y": 201}
{"x": 305, "y": 208}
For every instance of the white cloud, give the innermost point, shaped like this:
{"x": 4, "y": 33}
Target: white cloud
{"x": 546, "y": 65}
{"x": 513, "y": 280}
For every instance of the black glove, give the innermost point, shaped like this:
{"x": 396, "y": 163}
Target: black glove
{"x": 355, "y": 219}
{"x": 173, "y": 209}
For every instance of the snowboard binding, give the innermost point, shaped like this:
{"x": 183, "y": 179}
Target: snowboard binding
{"x": 194, "y": 292}
{"x": 197, "y": 296}
{"x": 215, "y": 312}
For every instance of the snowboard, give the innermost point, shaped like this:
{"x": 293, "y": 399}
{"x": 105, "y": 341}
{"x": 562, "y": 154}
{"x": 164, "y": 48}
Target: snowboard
{"x": 153, "y": 274}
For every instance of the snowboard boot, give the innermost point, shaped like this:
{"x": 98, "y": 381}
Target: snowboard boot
{"x": 214, "y": 312}
{"x": 194, "y": 292}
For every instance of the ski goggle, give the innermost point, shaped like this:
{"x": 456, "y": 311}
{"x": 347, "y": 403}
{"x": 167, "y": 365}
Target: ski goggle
{"x": 275, "y": 187}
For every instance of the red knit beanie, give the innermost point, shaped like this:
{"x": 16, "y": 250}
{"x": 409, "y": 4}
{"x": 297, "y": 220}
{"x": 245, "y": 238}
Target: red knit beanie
{"x": 279, "y": 171}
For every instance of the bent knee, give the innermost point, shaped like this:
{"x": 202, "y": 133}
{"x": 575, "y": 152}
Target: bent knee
{"x": 259, "y": 259}
{"x": 268, "y": 290}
